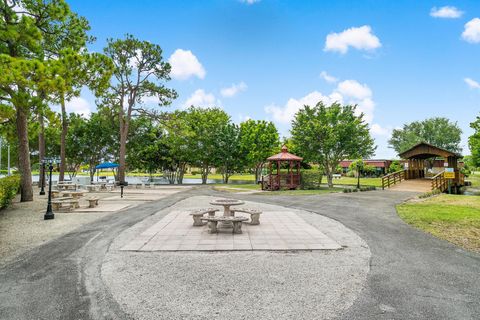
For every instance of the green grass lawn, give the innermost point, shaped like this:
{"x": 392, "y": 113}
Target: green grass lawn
{"x": 249, "y": 187}
{"x": 475, "y": 179}
{"x": 377, "y": 182}
{"x": 455, "y": 218}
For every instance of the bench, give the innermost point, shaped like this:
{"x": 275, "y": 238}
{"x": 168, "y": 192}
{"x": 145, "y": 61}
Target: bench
{"x": 254, "y": 214}
{"x": 336, "y": 176}
{"x": 92, "y": 187}
{"x": 76, "y": 194}
{"x": 92, "y": 202}
{"x": 213, "y": 221}
{"x": 198, "y": 214}
{"x": 65, "y": 204}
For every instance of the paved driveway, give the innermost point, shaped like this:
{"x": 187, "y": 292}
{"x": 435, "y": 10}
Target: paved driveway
{"x": 412, "y": 275}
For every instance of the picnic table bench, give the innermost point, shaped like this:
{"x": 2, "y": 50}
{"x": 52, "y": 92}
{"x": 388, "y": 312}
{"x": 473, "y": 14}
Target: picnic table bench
{"x": 65, "y": 204}
{"x": 92, "y": 187}
{"x": 254, "y": 214}
{"x": 198, "y": 214}
{"x": 92, "y": 202}
{"x": 213, "y": 221}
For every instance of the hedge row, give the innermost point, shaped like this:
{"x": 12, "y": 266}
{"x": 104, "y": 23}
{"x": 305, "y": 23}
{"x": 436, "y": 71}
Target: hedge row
{"x": 310, "y": 179}
{"x": 9, "y": 187}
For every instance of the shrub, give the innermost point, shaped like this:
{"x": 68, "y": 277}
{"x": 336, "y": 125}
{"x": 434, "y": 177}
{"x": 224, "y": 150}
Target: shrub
{"x": 311, "y": 179}
{"x": 9, "y": 187}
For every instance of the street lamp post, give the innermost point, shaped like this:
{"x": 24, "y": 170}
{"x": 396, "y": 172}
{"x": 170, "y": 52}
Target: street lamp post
{"x": 42, "y": 178}
{"x": 358, "y": 174}
{"x": 49, "y": 214}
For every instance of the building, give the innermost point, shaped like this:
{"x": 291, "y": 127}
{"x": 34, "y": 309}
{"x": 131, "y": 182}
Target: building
{"x": 381, "y": 165}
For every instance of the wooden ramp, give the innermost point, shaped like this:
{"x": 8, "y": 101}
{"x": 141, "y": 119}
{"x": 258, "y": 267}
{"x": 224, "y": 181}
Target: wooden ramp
{"x": 413, "y": 185}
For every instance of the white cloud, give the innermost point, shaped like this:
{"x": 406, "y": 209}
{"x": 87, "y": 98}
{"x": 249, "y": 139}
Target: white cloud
{"x": 348, "y": 91}
{"x": 378, "y": 130}
{"x": 202, "y": 99}
{"x": 360, "y": 38}
{"x": 249, "y": 1}
{"x": 472, "y": 84}
{"x": 353, "y": 89}
{"x": 472, "y": 31}
{"x": 446, "y": 12}
{"x": 329, "y": 78}
{"x": 233, "y": 89}
{"x": 287, "y": 113}
{"x": 185, "y": 65}
{"x": 78, "y": 105}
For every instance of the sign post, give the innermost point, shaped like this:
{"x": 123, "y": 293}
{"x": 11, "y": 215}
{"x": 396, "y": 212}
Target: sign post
{"x": 449, "y": 174}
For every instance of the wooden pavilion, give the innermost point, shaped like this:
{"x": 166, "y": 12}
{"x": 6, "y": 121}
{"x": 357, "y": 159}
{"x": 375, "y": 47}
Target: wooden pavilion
{"x": 415, "y": 166}
{"x": 283, "y": 171}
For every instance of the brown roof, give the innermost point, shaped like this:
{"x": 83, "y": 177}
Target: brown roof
{"x": 425, "y": 150}
{"x": 284, "y": 156}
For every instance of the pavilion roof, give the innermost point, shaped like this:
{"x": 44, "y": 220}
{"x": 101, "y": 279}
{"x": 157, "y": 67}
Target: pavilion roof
{"x": 425, "y": 150}
{"x": 284, "y": 156}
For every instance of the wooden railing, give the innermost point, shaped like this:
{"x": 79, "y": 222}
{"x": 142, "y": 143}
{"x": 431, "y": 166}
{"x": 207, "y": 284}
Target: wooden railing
{"x": 392, "y": 179}
{"x": 284, "y": 180}
{"x": 439, "y": 182}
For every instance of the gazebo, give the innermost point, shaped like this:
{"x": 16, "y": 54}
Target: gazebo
{"x": 287, "y": 168}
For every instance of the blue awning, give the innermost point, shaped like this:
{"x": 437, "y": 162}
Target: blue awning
{"x": 107, "y": 165}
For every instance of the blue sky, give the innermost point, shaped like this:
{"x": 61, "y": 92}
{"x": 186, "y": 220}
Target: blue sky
{"x": 401, "y": 61}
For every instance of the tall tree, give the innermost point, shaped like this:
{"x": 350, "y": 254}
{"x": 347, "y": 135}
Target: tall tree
{"x": 439, "y": 132}
{"x": 177, "y": 139}
{"x": 329, "y": 134}
{"x": 139, "y": 74}
{"x": 229, "y": 153}
{"x": 74, "y": 70}
{"x": 474, "y": 142}
{"x": 259, "y": 139}
{"x": 25, "y": 26}
{"x": 91, "y": 140}
{"x": 205, "y": 125}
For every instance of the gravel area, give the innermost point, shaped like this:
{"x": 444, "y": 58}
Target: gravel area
{"x": 22, "y": 226}
{"x": 237, "y": 285}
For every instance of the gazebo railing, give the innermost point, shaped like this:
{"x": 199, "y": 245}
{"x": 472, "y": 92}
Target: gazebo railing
{"x": 283, "y": 180}
{"x": 392, "y": 179}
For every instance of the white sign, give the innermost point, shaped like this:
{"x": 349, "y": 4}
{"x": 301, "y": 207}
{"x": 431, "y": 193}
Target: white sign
{"x": 449, "y": 170}
{"x": 445, "y": 164}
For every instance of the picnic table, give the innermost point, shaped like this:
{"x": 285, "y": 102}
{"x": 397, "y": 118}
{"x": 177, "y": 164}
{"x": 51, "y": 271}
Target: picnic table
{"x": 67, "y": 186}
{"x": 74, "y": 194}
{"x": 226, "y": 203}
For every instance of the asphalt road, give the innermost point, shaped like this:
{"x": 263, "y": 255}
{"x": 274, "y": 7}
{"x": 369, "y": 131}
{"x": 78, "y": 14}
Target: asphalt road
{"x": 412, "y": 276}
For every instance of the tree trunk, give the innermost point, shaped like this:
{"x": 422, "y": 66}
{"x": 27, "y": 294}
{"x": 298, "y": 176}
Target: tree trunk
{"x": 24, "y": 156}
{"x": 91, "y": 170}
{"x": 181, "y": 172}
{"x": 329, "y": 176}
{"x": 205, "y": 170}
{"x": 63, "y": 138}
{"x": 258, "y": 170}
{"x": 123, "y": 149}
{"x": 41, "y": 148}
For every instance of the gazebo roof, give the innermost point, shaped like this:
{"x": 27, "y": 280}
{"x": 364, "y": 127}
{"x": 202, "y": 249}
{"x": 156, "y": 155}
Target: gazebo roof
{"x": 284, "y": 156}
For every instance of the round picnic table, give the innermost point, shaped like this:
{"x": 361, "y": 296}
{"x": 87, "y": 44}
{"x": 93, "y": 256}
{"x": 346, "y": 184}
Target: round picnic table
{"x": 226, "y": 203}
